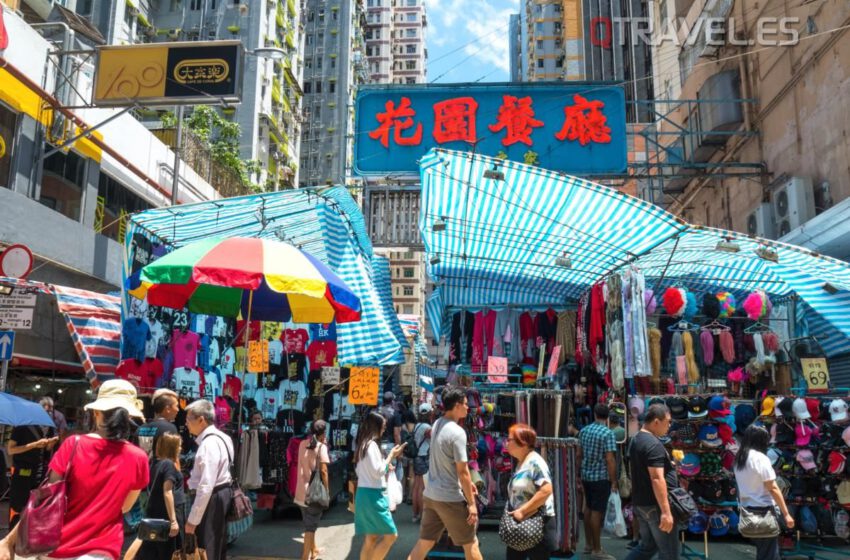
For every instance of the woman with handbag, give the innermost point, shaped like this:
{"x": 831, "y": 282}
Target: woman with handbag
{"x": 759, "y": 495}
{"x": 530, "y": 499}
{"x": 372, "y": 516}
{"x": 100, "y": 474}
{"x": 166, "y": 499}
{"x": 312, "y": 462}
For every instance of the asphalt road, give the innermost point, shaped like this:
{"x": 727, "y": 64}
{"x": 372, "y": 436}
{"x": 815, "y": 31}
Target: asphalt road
{"x": 282, "y": 539}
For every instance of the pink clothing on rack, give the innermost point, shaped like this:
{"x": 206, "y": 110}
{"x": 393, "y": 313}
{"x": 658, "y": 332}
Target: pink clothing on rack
{"x": 527, "y": 333}
{"x": 482, "y": 336}
{"x": 292, "y": 461}
{"x": 596, "y": 336}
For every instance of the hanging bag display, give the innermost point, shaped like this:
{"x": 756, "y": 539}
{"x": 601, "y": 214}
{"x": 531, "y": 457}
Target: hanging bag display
{"x": 755, "y": 524}
{"x": 521, "y": 535}
{"x": 317, "y": 494}
{"x": 41, "y": 522}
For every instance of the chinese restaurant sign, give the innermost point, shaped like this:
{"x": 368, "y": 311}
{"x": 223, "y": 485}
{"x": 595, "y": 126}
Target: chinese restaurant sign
{"x": 168, "y": 73}
{"x": 577, "y": 129}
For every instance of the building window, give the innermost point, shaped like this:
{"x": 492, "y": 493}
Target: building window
{"x": 559, "y": 62}
{"x": 408, "y": 272}
{"x": 540, "y": 44}
{"x": 411, "y": 3}
{"x": 333, "y": 63}
{"x": 557, "y": 27}
{"x": 407, "y": 255}
{"x": 410, "y": 65}
{"x": 408, "y": 308}
{"x": 411, "y": 17}
{"x": 320, "y": 38}
{"x": 410, "y": 80}
{"x": 334, "y": 14}
{"x": 308, "y": 63}
{"x": 308, "y": 87}
{"x": 332, "y": 87}
{"x": 309, "y": 39}
{"x": 114, "y": 202}
{"x": 408, "y": 290}
{"x": 411, "y": 49}
{"x": 322, "y": 15}
{"x": 8, "y": 127}
{"x": 195, "y": 5}
{"x": 319, "y": 63}
{"x": 538, "y": 28}
{"x": 410, "y": 33}
{"x": 540, "y": 63}
{"x": 318, "y": 87}
{"x": 63, "y": 184}
{"x": 317, "y": 113}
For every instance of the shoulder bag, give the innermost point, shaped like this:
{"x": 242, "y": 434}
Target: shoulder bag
{"x": 151, "y": 529}
{"x": 41, "y": 522}
{"x": 189, "y": 550}
{"x": 758, "y": 525}
{"x": 521, "y": 535}
{"x": 624, "y": 483}
{"x": 240, "y": 505}
{"x": 682, "y": 504}
{"x": 317, "y": 494}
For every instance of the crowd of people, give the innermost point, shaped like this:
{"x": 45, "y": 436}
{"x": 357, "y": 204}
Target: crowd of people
{"x": 119, "y": 456}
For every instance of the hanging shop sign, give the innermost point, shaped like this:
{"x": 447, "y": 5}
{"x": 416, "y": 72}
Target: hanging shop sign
{"x": 20, "y": 297}
{"x": 258, "y": 356}
{"x": 330, "y": 375}
{"x": 16, "y": 318}
{"x": 578, "y": 129}
{"x": 168, "y": 73}
{"x": 816, "y": 373}
{"x": 497, "y": 369}
{"x": 363, "y": 385}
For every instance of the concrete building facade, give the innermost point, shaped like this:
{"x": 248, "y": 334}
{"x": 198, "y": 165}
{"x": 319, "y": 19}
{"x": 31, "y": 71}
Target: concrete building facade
{"x": 395, "y": 41}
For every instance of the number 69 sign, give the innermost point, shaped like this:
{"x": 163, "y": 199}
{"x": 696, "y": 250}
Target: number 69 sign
{"x": 816, "y": 373}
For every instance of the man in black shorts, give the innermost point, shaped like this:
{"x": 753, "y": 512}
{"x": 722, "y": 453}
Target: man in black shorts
{"x": 599, "y": 478}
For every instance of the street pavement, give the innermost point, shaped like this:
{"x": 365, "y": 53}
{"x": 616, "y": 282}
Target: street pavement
{"x": 275, "y": 539}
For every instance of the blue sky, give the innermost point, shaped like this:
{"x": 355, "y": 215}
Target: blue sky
{"x": 477, "y": 32}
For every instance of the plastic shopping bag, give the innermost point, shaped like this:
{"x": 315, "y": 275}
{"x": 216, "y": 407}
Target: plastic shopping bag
{"x": 615, "y": 523}
{"x": 395, "y": 493}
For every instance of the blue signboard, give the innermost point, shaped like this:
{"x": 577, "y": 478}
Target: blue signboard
{"x": 7, "y": 345}
{"x": 579, "y": 129}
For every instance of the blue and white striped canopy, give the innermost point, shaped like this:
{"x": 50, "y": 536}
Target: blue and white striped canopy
{"x": 327, "y": 223}
{"x": 502, "y": 227}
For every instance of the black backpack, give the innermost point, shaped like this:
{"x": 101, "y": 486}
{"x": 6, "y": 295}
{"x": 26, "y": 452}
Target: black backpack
{"x": 412, "y": 450}
{"x": 682, "y": 504}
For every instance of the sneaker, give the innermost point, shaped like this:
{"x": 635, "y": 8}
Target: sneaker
{"x": 633, "y": 544}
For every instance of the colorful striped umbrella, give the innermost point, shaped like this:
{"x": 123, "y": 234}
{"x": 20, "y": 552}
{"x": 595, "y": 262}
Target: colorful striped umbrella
{"x": 261, "y": 279}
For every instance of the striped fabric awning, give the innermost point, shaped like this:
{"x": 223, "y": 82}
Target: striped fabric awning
{"x": 326, "y": 222}
{"x": 94, "y": 323}
{"x": 512, "y": 234}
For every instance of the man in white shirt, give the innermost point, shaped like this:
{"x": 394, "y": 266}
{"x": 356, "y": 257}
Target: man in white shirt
{"x": 210, "y": 480}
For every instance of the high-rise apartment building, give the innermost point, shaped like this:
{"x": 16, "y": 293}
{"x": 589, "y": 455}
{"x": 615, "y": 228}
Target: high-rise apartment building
{"x": 395, "y": 41}
{"x": 577, "y": 40}
{"x": 270, "y": 112}
{"x": 334, "y": 64}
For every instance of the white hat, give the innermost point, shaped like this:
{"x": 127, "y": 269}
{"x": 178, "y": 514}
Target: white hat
{"x": 776, "y": 409}
{"x": 117, "y": 393}
{"x": 800, "y": 409}
{"x": 838, "y": 410}
{"x": 425, "y": 408}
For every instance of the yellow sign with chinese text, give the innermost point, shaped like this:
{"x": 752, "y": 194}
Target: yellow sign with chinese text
{"x": 258, "y": 356}
{"x": 816, "y": 373}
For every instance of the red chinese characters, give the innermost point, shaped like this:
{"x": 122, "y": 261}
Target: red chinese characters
{"x": 585, "y": 122}
{"x": 516, "y": 117}
{"x": 398, "y": 119}
{"x": 454, "y": 119}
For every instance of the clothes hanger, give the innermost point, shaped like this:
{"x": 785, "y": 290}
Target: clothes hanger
{"x": 683, "y": 326}
{"x": 757, "y": 327}
{"x": 716, "y": 327}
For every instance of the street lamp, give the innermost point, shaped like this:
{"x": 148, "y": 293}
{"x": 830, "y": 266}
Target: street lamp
{"x": 273, "y": 53}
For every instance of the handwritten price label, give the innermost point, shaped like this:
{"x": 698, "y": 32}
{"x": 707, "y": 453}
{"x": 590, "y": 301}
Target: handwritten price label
{"x": 497, "y": 369}
{"x": 258, "y": 356}
{"x": 330, "y": 375}
{"x": 816, "y": 373}
{"x": 553, "y": 361}
{"x": 363, "y": 385}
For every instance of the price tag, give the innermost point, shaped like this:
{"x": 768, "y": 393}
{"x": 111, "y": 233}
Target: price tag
{"x": 497, "y": 369}
{"x": 363, "y": 385}
{"x": 816, "y": 374}
{"x": 330, "y": 375}
{"x": 553, "y": 361}
{"x": 258, "y": 356}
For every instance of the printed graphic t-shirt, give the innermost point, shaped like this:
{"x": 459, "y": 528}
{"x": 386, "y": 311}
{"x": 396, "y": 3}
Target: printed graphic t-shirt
{"x": 268, "y": 401}
{"x": 321, "y": 354}
{"x": 292, "y": 395}
{"x": 186, "y": 346}
{"x": 295, "y": 340}
{"x": 527, "y": 480}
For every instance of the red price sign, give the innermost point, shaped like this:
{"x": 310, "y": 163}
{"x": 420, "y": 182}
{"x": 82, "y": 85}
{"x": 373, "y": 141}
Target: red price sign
{"x": 553, "y": 361}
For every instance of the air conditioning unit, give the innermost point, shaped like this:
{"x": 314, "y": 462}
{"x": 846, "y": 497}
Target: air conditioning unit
{"x": 793, "y": 204}
{"x": 760, "y": 221}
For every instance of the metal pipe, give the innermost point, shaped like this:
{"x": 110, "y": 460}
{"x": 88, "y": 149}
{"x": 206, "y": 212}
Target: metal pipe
{"x": 178, "y": 147}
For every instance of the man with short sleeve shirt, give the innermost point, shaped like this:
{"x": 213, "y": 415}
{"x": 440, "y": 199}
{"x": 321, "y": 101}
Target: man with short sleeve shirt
{"x": 165, "y": 409}
{"x": 449, "y": 497}
{"x": 598, "y": 476}
{"x": 652, "y": 474}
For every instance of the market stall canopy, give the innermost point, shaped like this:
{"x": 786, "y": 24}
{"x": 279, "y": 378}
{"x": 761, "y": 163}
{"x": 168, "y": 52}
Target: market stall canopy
{"x": 15, "y": 411}
{"x": 499, "y": 233}
{"x": 326, "y": 223}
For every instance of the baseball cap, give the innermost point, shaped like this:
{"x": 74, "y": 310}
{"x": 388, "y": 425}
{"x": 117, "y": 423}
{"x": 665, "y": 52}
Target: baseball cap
{"x": 806, "y": 460}
{"x": 808, "y": 521}
{"x": 718, "y": 405}
{"x": 730, "y": 490}
{"x": 804, "y": 434}
{"x": 710, "y": 464}
{"x": 687, "y": 433}
{"x": 698, "y": 523}
{"x": 843, "y": 493}
{"x": 678, "y": 408}
{"x": 767, "y": 405}
{"x": 697, "y": 408}
{"x": 784, "y": 433}
{"x": 709, "y": 436}
{"x": 657, "y": 400}
{"x": 718, "y": 524}
{"x": 425, "y": 408}
{"x": 836, "y": 462}
{"x": 745, "y": 415}
{"x": 728, "y": 460}
{"x": 838, "y": 410}
{"x": 690, "y": 465}
{"x": 733, "y": 520}
{"x": 813, "y": 405}
{"x": 776, "y": 408}
{"x": 784, "y": 407}
{"x": 801, "y": 411}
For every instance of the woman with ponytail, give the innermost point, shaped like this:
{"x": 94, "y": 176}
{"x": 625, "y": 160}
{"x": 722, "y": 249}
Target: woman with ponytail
{"x": 312, "y": 457}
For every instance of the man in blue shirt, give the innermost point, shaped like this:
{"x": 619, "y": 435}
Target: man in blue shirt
{"x": 599, "y": 478}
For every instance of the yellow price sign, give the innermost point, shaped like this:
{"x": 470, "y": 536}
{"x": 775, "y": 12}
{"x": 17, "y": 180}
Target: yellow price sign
{"x": 363, "y": 385}
{"x": 816, "y": 373}
{"x": 258, "y": 356}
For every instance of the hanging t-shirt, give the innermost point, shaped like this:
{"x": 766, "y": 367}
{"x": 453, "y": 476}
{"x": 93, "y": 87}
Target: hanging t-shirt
{"x": 341, "y": 408}
{"x": 275, "y": 352}
{"x": 156, "y": 334}
{"x": 223, "y": 412}
{"x": 249, "y": 382}
{"x": 215, "y": 353}
{"x": 272, "y": 330}
{"x": 268, "y": 402}
{"x": 144, "y": 375}
{"x": 296, "y": 366}
{"x": 142, "y": 248}
{"x": 321, "y": 354}
{"x": 254, "y": 330}
{"x": 228, "y": 360}
{"x": 314, "y": 383}
{"x": 188, "y": 381}
{"x": 320, "y": 331}
{"x": 295, "y": 340}
{"x": 292, "y": 394}
{"x": 219, "y": 327}
{"x": 135, "y": 335}
{"x": 204, "y": 352}
{"x": 185, "y": 346}
{"x": 213, "y": 383}
{"x": 232, "y": 387}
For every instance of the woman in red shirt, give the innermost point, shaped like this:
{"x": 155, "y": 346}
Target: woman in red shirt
{"x": 104, "y": 475}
